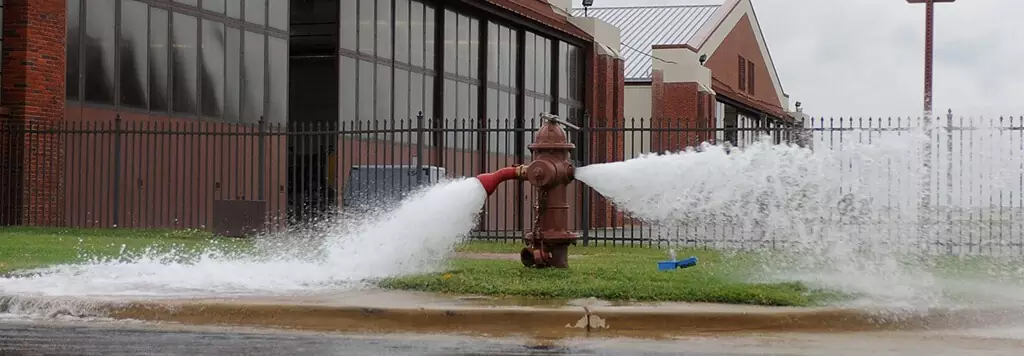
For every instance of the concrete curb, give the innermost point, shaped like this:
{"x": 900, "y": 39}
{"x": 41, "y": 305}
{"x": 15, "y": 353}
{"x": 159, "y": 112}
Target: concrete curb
{"x": 647, "y": 321}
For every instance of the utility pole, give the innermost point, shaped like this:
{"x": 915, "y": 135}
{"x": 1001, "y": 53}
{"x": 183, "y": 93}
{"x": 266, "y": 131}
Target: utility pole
{"x": 924, "y": 206}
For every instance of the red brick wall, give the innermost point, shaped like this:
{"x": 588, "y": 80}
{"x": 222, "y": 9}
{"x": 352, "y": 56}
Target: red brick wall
{"x": 606, "y": 93}
{"x": 33, "y": 91}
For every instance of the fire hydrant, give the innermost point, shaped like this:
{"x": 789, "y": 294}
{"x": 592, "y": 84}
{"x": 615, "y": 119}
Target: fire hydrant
{"x": 547, "y": 243}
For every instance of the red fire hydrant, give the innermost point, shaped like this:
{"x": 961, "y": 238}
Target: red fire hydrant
{"x": 547, "y": 243}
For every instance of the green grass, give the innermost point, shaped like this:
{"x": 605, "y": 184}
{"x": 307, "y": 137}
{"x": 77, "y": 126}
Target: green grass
{"x": 612, "y": 273}
{"x": 26, "y": 248}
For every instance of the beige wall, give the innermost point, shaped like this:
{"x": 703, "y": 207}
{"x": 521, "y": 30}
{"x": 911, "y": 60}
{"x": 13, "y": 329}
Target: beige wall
{"x": 638, "y": 106}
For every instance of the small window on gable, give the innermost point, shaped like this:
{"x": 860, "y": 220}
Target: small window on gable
{"x": 743, "y": 73}
{"x": 750, "y": 77}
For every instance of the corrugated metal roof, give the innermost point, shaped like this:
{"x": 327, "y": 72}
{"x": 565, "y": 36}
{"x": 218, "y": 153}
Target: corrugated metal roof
{"x": 644, "y": 26}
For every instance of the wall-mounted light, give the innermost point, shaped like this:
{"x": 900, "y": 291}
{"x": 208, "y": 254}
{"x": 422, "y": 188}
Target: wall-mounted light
{"x": 586, "y": 5}
{"x": 703, "y": 58}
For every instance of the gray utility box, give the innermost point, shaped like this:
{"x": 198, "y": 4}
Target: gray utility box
{"x": 370, "y": 188}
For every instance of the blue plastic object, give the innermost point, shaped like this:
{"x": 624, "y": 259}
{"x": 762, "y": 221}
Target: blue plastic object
{"x": 671, "y": 265}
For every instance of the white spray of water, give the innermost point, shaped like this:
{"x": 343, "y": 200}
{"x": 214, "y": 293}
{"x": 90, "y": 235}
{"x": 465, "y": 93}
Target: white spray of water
{"x": 413, "y": 238}
{"x": 838, "y": 219}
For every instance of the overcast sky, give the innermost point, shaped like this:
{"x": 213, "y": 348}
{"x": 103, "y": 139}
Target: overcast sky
{"x": 866, "y": 57}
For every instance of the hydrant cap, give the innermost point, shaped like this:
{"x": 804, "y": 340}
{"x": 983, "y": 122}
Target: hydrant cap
{"x": 551, "y": 135}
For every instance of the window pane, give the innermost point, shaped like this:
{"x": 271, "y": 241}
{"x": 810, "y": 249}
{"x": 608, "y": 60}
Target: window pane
{"x": 252, "y": 76}
{"x": 563, "y": 70}
{"x": 349, "y": 25}
{"x": 492, "y": 105}
{"x": 233, "y": 80}
{"x": 463, "y": 101}
{"x": 235, "y": 9}
{"x": 450, "y": 27}
{"x": 428, "y": 96}
{"x": 367, "y": 23}
{"x": 492, "y": 52}
{"x": 430, "y": 39}
{"x": 214, "y": 5}
{"x": 416, "y": 34}
{"x": 474, "y": 49}
{"x": 384, "y": 28}
{"x": 540, "y": 65}
{"x": 134, "y": 51}
{"x": 513, "y": 52}
{"x": 279, "y": 16}
{"x": 402, "y": 27}
{"x": 348, "y": 90}
{"x": 185, "y": 67}
{"x": 415, "y": 94}
{"x": 99, "y": 52}
{"x": 401, "y": 108}
{"x": 189, "y": 2}
{"x": 366, "y": 90}
{"x": 462, "y": 49}
{"x": 213, "y": 68}
{"x": 449, "y": 99}
{"x": 505, "y": 45}
{"x": 158, "y": 67}
{"x": 278, "y": 86}
{"x": 383, "y": 99}
{"x": 530, "y": 62}
{"x": 256, "y": 11}
{"x": 72, "y": 50}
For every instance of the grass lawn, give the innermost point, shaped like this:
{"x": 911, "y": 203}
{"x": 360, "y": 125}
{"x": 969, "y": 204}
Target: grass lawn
{"x": 23, "y": 248}
{"x": 612, "y": 273}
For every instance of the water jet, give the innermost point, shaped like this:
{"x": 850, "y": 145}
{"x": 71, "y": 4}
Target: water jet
{"x": 547, "y": 242}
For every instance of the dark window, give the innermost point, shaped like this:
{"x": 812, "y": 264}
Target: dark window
{"x": 233, "y": 81}
{"x": 72, "y": 49}
{"x": 402, "y": 27}
{"x": 235, "y": 9}
{"x": 158, "y": 68}
{"x": 134, "y": 53}
{"x": 349, "y": 25}
{"x": 278, "y": 71}
{"x": 185, "y": 62}
{"x": 384, "y": 28}
{"x": 100, "y": 39}
{"x": 214, "y": 5}
{"x": 214, "y": 44}
{"x": 279, "y": 16}
{"x": 743, "y": 73}
{"x": 256, "y": 11}
{"x": 253, "y": 70}
{"x": 367, "y": 23}
{"x": 750, "y": 77}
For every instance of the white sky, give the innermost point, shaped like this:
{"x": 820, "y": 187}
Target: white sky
{"x": 866, "y": 57}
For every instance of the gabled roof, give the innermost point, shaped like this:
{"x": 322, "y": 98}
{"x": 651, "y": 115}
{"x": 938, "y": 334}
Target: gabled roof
{"x": 644, "y": 26}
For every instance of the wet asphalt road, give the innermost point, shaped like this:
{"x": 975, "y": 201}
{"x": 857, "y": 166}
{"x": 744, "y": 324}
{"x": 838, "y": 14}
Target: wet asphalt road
{"x": 52, "y": 339}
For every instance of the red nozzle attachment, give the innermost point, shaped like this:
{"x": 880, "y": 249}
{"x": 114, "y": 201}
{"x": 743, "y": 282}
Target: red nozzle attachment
{"x": 490, "y": 181}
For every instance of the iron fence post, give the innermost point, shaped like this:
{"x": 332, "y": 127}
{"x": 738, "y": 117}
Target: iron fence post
{"x": 585, "y": 160}
{"x": 261, "y": 158}
{"x": 419, "y": 148}
{"x": 949, "y": 179}
{"x": 117, "y": 171}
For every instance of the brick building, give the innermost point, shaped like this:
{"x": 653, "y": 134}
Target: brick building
{"x": 700, "y": 66}
{"x": 220, "y": 66}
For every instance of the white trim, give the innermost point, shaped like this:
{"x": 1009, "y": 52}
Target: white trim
{"x": 713, "y": 33}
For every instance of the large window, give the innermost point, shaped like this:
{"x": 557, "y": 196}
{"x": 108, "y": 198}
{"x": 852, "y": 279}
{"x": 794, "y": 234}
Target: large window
{"x": 396, "y": 54}
{"x": 211, "y": 59}
{"x": 386, "y": 63}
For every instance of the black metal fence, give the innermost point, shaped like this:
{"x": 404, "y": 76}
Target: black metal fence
{"x": 237, "y": 179}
